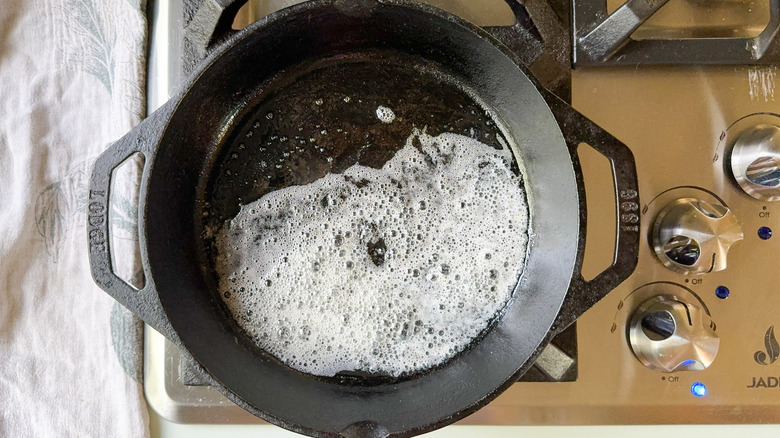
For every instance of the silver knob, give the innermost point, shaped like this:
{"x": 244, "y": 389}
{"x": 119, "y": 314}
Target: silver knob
{"x": 668, "y": 334}
{"x": 755, "y": 162}
{"x": 692, "y": 236}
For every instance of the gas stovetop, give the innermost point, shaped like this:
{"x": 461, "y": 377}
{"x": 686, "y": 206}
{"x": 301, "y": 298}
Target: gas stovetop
{"x": 689, "y": 86}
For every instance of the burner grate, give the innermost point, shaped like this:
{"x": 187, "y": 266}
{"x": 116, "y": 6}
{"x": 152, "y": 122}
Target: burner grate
{"x": 603, "y": 39}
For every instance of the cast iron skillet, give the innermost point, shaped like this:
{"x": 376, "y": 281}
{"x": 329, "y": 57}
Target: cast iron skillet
{"x": 446, "y": 63}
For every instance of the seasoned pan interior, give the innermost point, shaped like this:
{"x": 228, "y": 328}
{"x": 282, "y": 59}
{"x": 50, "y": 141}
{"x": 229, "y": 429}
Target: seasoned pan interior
{"x": 320, "y": 118}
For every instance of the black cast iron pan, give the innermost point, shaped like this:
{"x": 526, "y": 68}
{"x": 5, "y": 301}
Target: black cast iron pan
{"x": 434, "y": 69}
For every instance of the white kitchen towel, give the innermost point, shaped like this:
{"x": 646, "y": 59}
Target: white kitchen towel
{"x": 71, "y": 82}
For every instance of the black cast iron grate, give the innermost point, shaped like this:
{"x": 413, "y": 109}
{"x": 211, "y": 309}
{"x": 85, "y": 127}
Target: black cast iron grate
{"x": 603, "y": 39}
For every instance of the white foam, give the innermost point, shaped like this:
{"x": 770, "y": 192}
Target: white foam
{"x": 391, "y": 270}
{"x": 385, "y": 114}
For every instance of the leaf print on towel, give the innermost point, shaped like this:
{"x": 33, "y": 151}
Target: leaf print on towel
{"x": 125, "y": 188}
{"x": 48, "y": 217}
{"x": 96, "y": 52}
{"x": 59, "y": 205}
{"x": 127, "y": 337}
{"x": 103, "y": 39}
{"x": 61, "y": 208}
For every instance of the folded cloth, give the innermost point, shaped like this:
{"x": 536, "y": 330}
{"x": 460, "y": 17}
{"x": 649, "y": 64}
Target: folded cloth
{"x": 71, "y": 82}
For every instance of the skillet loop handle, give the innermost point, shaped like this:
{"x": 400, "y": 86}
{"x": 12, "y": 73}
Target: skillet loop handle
{"x": 144, "y": 303}
{"x": 211, "y": 24}
{"x": 582, "y": 295}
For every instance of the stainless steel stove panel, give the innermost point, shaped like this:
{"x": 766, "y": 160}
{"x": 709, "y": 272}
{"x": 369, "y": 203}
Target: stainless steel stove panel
{"x": 681, "y": 123}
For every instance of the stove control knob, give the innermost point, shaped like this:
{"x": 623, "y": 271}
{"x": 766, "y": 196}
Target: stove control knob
{"x": 668, "y": 334}
{"x": 692, "y": 236}
{"x": 755, "y": 162}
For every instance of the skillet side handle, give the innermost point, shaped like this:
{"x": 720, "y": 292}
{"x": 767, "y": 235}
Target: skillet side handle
{"x": 211, "y": 23}
{"x": 144, "y": 303}
{"x": 582, "y": 295}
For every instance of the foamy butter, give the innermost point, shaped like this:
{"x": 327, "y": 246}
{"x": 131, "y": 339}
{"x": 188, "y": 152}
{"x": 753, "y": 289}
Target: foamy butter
{"x": 385, "y": 114}
{"x": 391, "y": 270}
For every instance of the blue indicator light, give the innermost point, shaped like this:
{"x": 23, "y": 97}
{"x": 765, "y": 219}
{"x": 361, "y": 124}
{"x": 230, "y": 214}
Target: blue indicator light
{"x": 688, "y": 362}
{"x": 765, "y": 233}
{"x": 698, "y": 389}
{"x": 722, "y": 292}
